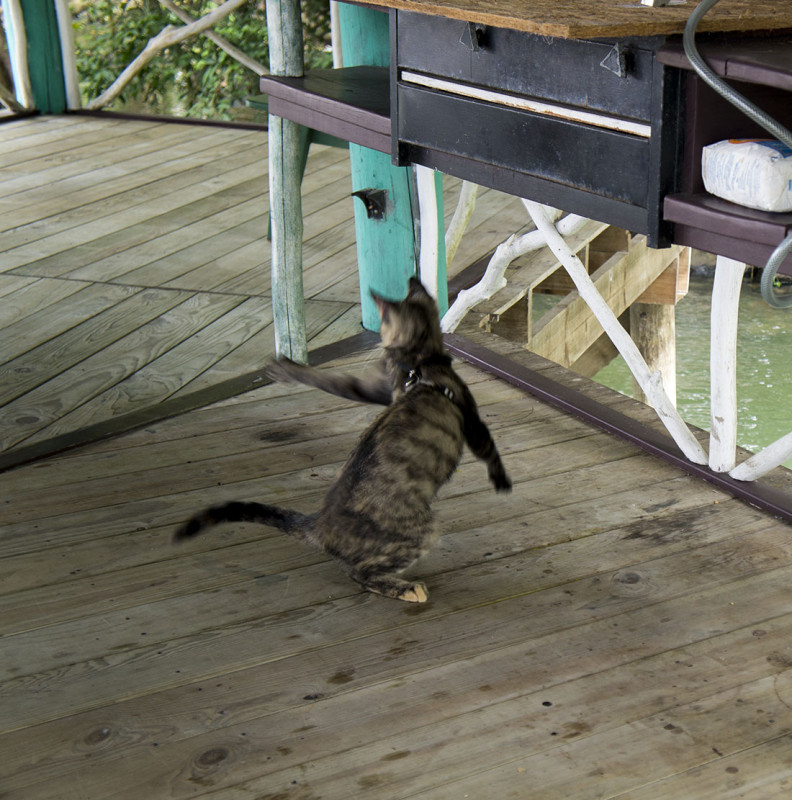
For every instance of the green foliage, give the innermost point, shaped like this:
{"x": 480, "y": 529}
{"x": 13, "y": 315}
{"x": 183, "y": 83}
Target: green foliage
{"x": 195, "y": 78}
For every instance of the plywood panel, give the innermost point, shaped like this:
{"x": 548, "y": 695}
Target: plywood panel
{"x": 584, "y": 19}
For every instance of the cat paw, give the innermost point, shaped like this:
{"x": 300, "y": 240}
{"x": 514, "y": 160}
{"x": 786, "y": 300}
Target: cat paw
{"x": 284, "y": 370}
{"x": 501, "y": 481}
{"x": 415, "y": 594}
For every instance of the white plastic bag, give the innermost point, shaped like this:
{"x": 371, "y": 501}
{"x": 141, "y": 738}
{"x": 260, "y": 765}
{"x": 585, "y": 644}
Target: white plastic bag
{"x": 755, "y": 173}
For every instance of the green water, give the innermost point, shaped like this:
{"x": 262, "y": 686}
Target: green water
{"x": 764, "y": 378}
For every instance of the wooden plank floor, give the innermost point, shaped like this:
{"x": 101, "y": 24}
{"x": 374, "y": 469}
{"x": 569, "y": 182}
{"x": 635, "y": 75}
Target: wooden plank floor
{"x": 611, "y": 629}
{"x": 123, "y": 249}
{"x": 134, "y": 266}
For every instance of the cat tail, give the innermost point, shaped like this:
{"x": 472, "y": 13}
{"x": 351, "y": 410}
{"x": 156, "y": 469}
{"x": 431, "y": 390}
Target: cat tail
{"x": 286, "y": 520}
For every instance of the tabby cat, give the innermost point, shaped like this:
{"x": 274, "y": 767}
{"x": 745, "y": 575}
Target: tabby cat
{"x": 377, "y": 518}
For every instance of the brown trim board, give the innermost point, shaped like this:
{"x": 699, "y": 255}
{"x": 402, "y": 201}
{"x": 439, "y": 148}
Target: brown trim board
{"x": 767, "y": 498}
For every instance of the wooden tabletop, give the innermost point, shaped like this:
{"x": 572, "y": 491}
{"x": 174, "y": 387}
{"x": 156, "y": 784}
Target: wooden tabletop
{"x": 583, "y": 19}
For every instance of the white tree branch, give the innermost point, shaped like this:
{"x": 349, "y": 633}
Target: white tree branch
{"x": 758, "y": 464}
{"x": 650, "y": 383}
{"x": 494, "y": 277}
{"x": 223, "y": 44}
{"x": 165, "y": 38}
{"x": 459, "y": 222}
{"x": 723, "y": 363}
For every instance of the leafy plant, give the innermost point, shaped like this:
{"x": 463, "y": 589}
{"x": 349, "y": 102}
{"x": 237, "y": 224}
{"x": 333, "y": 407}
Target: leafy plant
{"x": 195, "y": 78}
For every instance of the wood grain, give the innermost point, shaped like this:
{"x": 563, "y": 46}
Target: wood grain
{"x": 109, "y": 227}
{"x": 583, "y": 19}
{"x": 610, "y": 612}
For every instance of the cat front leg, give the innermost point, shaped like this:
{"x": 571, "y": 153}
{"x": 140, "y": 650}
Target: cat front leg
{"x": 373, "y": 388}
{"x": 480, "y": 442}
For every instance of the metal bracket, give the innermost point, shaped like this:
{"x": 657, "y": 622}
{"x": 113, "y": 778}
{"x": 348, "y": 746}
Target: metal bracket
{"x": 375, "y": 201}
{"x": 472, "y": 36}
{"x": 616, "y": 61}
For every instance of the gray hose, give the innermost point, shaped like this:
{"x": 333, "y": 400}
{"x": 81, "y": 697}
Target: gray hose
{"x": 755, "y": 113}
{"x": 769, "y": 275}
{"x": 773, "y": 127}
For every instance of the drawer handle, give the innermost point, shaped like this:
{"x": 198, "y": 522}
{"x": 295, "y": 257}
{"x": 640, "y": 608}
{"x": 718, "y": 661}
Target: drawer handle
{"x": 616, "y": 61}
{"x": 472, "y": 36}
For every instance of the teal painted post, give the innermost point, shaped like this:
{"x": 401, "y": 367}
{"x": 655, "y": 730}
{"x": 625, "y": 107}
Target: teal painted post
{"x": 284, "y": 29}
{"x": 386, "y": 247}
{"x": 45, "y": 64}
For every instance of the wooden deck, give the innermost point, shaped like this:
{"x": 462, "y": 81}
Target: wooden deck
{"x": 134, "y": 267}
{"x": 613, "y": 628}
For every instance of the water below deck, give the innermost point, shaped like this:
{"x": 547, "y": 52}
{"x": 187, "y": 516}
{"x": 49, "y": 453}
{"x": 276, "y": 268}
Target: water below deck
{"x": 613, "y": 628}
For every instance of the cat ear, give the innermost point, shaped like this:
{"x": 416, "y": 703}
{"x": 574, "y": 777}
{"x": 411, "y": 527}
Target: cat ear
{"x": 383, "y": 305}
{"x": 416, "y": 287}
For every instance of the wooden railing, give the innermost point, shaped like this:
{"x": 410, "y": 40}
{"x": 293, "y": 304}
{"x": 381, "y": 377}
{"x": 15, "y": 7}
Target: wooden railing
{"x": 17, "y": 24}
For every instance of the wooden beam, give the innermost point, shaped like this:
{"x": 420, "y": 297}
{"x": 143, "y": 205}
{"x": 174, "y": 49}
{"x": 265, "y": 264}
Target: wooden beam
{"x": 288, "y": 302}
{"x": 385, "y": 243}
{"x": 566, "y": 332}
{"x": 673, "y": 283}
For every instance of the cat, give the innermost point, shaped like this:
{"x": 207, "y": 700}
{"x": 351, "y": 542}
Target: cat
{"x": 377, "y": 518}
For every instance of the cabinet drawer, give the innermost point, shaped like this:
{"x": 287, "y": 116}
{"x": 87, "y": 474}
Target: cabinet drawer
{"x": 570, "y": 71}
{"x": 567, "y": 152}
{"x": 543, "y": 118}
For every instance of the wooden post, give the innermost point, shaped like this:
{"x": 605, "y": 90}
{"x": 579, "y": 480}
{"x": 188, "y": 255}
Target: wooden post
{"x": 653, "y": 322}
{"x": 653, "y": 329}
{"x": 386, "y": 246}
{"x": 284, "y": 25}
{"x": 44, "y": 60}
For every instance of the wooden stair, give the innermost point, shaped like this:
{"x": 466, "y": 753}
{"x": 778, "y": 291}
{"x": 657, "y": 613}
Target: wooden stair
{"x": 625, "y": 271}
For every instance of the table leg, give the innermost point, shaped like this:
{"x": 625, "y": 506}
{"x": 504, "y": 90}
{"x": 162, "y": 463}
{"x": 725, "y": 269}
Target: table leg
{"x": 723, "y": 363}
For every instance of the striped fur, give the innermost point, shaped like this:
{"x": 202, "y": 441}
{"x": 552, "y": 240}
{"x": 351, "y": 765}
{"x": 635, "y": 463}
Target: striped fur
{"x": 377, "y": 518}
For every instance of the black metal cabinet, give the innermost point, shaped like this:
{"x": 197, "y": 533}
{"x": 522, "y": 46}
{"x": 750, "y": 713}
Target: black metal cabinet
{"x": 589, "y": 126}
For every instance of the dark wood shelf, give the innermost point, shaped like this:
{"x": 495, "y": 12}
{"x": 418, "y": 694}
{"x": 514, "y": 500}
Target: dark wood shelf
{"x": 751, "y": 60}
{"x": 718, "y": 226}
{"x": 761, "y": 68}
{"x": 352, "y": 103}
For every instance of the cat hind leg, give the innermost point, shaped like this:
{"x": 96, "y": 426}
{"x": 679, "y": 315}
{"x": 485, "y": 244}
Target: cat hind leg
{"x": 389, "y": 585}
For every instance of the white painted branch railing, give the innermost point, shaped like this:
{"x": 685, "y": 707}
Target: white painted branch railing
{"x": 723, "y": 343}
{"x": 17, "y": 50}
{"x": 429, "y": 255}
{"x": 723, "y": 382}
{"x": 165, "y": 38}
{"x": 235, "y": 53}
{"x": 762, "y": 462}
{"x": 495, "y": 275}
{"x": 650, "y": 383}
{"x": 723, "y": 363}
{"x": 459, "y": 222}
{"x": 66, "y": 34}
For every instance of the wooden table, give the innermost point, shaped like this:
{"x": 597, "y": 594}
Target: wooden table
{"x": 464, "y": 77}
{"x": 585, "y": 105}
{"x": 595, "y": 19}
